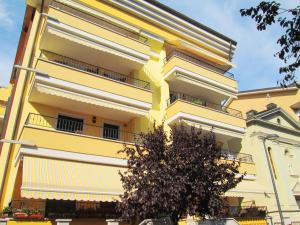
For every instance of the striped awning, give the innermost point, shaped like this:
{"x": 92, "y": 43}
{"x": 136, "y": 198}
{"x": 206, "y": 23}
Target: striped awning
{"x": 92, "y": 41}
{"x": 67, "y": 180}
{"x": 217, "y": 130}
{"x": 84, "y": 98}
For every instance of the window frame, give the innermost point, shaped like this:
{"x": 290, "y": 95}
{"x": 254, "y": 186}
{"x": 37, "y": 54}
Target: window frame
{"x": 74, "y": 116}
{"x": 112, "y": 124}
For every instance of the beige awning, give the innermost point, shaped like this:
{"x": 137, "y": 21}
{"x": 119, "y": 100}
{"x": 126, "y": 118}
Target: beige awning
{"x": 67, "y": 180}
{"x": 78, "y": 97}
{"x": 82, "y": 38}
{"x": 216, "y": 130}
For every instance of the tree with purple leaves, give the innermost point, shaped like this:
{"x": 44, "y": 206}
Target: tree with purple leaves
{"x": 184, "y": 173}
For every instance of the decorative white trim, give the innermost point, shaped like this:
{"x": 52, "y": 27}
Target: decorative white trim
{"x": 4, "y": 221}
{"x": 202, "y": 51}
{"x": 63, "y": 221}
{"x": 262, "y": 135}
{"x": 296, "y": 188}
{"x": 216, "y": 130}
{"x": 247, "y": 176}
{"x": 99, "y": 14}
{"x": 152, "y": 36}
{"x": 154, "y": 55}
{"x": 199, "y": 77}
{"x": 173, "y": 23}
{"x": 204, "y": 85}
{"x": 59, "y": 190}
{"x": 78, "y": 97}
{"x": 206, "y": 121}
{"x": 78, "y": 157}
{"x": 108, "y": 45}
{"x": 250, "y": 191}
{"x": 267, "y": 91}
{"x": 183, "y": 22}
{"x": 77, "y": 88}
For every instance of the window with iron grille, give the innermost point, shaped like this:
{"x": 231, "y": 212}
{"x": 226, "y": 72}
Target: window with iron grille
{"x": 69, "y": 124}
{"x": 110, "y": 131}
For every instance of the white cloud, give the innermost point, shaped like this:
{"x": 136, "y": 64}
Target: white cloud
{"x": 6, "y": 20}
{"x": 6, "y": 63}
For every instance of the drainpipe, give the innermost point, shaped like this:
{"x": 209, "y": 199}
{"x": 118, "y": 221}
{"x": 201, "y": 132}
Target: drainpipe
{"x": 273, "y": 137}
{"x": 13, "y": 136}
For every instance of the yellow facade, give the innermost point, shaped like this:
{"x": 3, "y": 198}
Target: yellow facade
{"x": 274, "y": 111}
{"x": 5, "y": 93}
{"x": 287, "y": 98}
{"x": 91, "y": 75}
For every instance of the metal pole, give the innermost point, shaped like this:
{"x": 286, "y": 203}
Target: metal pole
{"x": 273, "y": 183}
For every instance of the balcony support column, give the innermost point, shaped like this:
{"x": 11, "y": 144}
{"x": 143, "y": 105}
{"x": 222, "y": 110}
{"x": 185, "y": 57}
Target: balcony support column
{"x": 4, "y": 221}
{"x": 269, "y": 220}
{"x": 113, "y": 222}
{"x": 63, "y": 221}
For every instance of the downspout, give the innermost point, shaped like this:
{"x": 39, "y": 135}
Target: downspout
{"x": 13, "y": 136}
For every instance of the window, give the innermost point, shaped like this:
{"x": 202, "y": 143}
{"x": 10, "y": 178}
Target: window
{"x": 69, "y": 124}
{"x": 291, "y": 169}
{"x": 298, "y": 200}
{"x": 279, "y": 121}
{"x": 110, "y": 131}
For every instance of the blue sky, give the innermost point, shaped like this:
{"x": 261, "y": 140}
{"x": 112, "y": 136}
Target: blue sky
{"x": 256, "y": 66}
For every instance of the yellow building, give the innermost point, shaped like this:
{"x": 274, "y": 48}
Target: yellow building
{"x": 88, "y": 75}
{"x": 275, "y": 112}
{"x": 286, "y": 98}
{"x": 4, "y": 98}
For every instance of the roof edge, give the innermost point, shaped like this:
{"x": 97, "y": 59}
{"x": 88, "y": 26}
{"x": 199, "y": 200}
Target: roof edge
{"x": 260, "y": 115}
{"x": 190, "y": 20}
{"x": 267, "y": 90}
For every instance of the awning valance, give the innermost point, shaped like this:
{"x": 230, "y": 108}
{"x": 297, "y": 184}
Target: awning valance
{"x": 83, "y": 98}
{"x": 82, "y": 38}
{"x": 67, "y": 180}
{"x": 217, "y": 130}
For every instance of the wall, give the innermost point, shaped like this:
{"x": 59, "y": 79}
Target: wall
{"x": 284, "y": 99}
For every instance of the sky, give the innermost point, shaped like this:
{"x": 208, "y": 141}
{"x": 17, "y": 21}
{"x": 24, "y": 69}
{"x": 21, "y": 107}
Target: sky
{"x": 256, "y": 65}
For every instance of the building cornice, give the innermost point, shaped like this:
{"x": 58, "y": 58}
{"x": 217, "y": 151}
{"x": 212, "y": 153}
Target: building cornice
{"x": 280, "y": 140}
{"x": 272, "y": 126}
{"x": 64, "y": 155}
{"x": 176, "y": 24}
{"x": 267, "y": 90}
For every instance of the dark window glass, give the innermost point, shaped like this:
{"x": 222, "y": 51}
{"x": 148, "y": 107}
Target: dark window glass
{"x": 61, "y": 209}
{"x": 69, "y": 124}
{"x": 298, "y": 201}
{"x": 110, "y": 131}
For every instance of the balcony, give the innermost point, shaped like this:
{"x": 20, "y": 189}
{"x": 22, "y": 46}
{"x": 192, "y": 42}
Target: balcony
{"x": 53, "y": 209}
{"x": 95, "y": 70}
{"x": 99, "y": 22}
{"x": 245, "y": 212}
{"x": 246, "y": 163}
{"x": 235, "y": 156}
{"x": 91, "y": 39}
{"x": 73, "y": 85}
{"x": 197, "y": 61}
{"x": 198, "y": 101}
{"x": 65, "y": 135}
{"x": 31, "y": 210}
{"x": 188, "y": 74}
{"x": 197, "y": 112}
